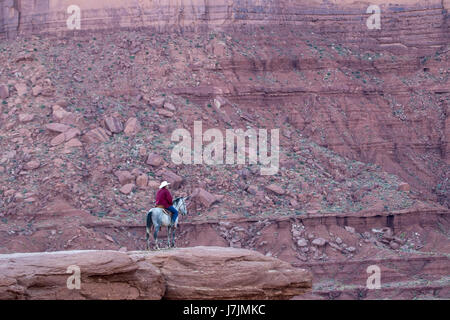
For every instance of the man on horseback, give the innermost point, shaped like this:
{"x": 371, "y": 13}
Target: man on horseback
{"x": 157, "y": 218}
{"x": 164, "y": 200}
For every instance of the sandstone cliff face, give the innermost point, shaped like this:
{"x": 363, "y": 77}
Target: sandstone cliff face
{"x": 334, "y": 17}
{"x": 310, "y": 68}
{"x": 379, "y": 118}
{"x": 190, "y": 273}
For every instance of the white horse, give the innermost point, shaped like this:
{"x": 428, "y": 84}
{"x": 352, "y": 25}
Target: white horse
{"x": 158, "y": 218}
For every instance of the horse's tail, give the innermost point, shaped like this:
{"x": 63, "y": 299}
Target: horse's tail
{"x": 148, "y": 224}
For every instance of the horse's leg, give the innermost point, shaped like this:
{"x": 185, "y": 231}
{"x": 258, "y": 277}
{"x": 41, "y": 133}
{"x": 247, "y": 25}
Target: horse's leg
{"x": 168, "y": 236}
{"x": 149, "y": 224}
{"x": 147, "y": 235}
{"x": 173, "y": 237}
{"x": 155, "y": 235}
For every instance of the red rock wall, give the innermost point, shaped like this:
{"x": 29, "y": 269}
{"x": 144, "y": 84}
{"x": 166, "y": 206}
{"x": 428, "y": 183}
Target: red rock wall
{"x": 412, "y": 29}
{"x": 404, "y": 22}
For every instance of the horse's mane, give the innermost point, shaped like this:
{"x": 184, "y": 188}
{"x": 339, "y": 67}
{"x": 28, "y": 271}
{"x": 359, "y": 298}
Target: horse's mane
{"x": 177, "y": 199}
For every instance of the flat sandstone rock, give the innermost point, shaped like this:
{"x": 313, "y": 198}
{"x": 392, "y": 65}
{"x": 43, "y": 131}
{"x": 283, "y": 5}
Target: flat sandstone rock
{"x": 184, "y": 273}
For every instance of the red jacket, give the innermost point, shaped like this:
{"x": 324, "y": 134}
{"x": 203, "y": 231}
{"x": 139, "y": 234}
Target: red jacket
{"x": 164, "y": 198}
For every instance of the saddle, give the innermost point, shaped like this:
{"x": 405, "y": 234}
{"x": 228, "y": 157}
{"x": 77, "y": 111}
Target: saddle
{"x": 165, "y": 211}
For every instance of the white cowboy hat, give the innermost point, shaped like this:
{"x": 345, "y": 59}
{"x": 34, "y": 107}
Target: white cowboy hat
{"x": 164, "y": 184}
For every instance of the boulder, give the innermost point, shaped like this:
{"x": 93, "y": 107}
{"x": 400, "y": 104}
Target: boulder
{"x": 59, "y": 113}
{"x": 72, "y": 133}
{"x": 4, "y": 91}
{"x": 10, "y": 154}
{"x": 350, "y": 229}
{"x": 57, "y": 127}
{"x": 60, "y": 138}
{"x": 73, "y": 143}
{"x": 30, "y": 200}
{"x": 132, "y": 127}
{"x": 319, "y": 242}
{"x": 275, "y": 189}
{"x": 37, "y": 90}
{"x": 252, "y": 190}
{"x": 142, "y": 181}
{"x": 113, "y": 124}
{"x": 21, "y": 89}
{"x": 387, "y": 232}
{"x": 128, "y": 188}
{"x": 125, "y": 177}
{"x": 169, "y": 106}
{"x": 399, "y": 240}
{"x": 62, "y": 103}
{"x": 154, "y": 160}
{"x": 219, "y": 49}
{"x": 31, "y": 165}
{"x": 26, "y": 117}
{"x": 136, "y": 172}
{"x": 96, "y": 135}
{"x": 294, "y": 203}
{"x": 404, "y": 187}
{"x": 204, "y": 197}
{"x": 165, "y": 113}
{"x": 171, "y": 177}
{"x": 142, "y": 151}
{"x": 220, "y": 101}
{"x": 48, "y": 92}
{"x": 394, "y": 245}
{"x": 161, "y": 127}
{"x": 157, "y": 102}
{"x": 153, "y": 184}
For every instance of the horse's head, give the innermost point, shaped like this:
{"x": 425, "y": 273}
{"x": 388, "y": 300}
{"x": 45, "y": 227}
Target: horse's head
{"x": 180, "y": 204}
